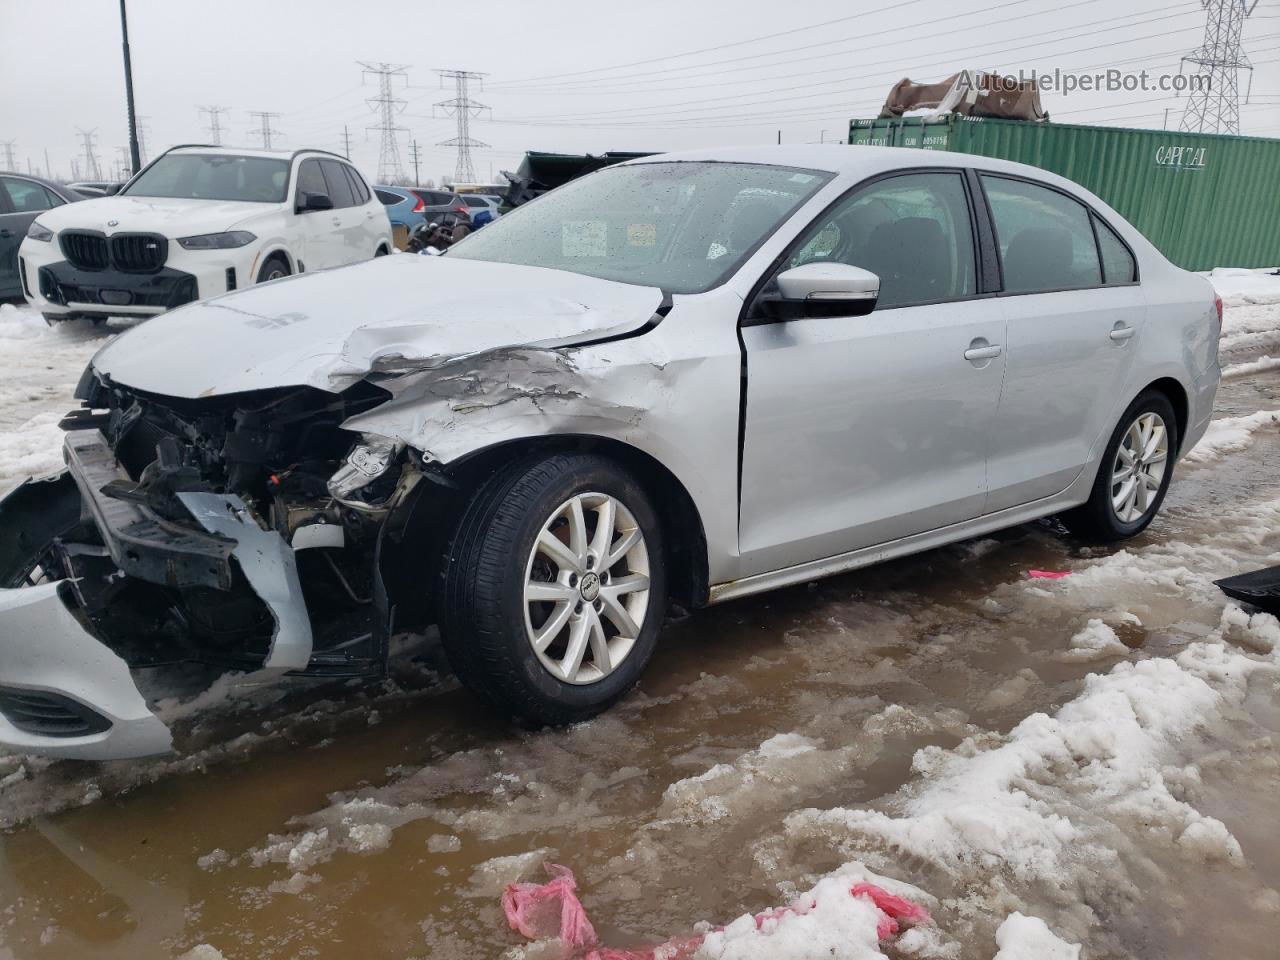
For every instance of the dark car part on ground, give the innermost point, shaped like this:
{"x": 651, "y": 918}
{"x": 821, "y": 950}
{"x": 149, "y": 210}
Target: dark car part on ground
{"x": 1258, "y": 587}
{"x": 440, "y": 234}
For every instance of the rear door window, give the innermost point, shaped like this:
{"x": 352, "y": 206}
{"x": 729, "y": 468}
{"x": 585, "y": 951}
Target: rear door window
{"x": 913, "y": 231}
{"x": 1045, "y": 238}
{"x": 359, "y": 190}
{"x": 1118, "y": 265}
{"x": 339, "y": 185}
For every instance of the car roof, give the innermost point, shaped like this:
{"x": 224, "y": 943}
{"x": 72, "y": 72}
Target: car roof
{"x": 57, "y": 187}
{"x": 857, "y": 161}
{"x": 253, "y": 152}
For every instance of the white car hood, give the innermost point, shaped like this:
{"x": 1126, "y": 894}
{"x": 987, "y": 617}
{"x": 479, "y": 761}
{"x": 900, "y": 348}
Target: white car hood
{"x": 172, "y": 218}
{"x": 391, "y": 314}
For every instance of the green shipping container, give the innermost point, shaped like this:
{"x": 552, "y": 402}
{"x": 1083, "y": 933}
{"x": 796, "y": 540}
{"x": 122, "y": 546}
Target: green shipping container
{"x": 1203, "y": 199}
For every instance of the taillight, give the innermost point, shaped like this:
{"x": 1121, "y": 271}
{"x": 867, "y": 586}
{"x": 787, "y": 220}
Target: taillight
{"x": 1217, "y": 305}
{"x": 461, "y": 208}
{"x": 419, "y": 206}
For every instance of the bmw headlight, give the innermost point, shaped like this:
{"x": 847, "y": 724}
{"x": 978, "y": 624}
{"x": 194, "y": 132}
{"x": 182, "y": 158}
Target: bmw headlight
{"x": 217, "y": 241}
{"x": 38, "y": 231}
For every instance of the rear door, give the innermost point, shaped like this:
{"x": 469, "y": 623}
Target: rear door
{"x": 1072, "y": 336}
{"x": 350, "y": 228}
{"x": 863, "y": 430}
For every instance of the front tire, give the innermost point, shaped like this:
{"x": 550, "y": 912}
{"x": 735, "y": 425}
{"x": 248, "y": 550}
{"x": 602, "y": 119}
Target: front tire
{"x": 1134, "y": 475}
{"x": 555, "y": 588}
{"x": 275, "y": 267}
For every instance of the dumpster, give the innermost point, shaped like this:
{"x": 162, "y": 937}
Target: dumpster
{"x": 1205, "y": 200}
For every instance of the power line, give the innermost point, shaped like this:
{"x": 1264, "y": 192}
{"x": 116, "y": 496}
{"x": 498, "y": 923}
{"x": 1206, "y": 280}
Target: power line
{"x": 666, "y": 109}
{"x": 601, "y": 119}
{"x": 390, "y": 170}
{"x": 91, "y": 169}
{"x": 265, "y": 131}
{"x": 725, "y": 46}
{"x": 1038, "y": 37}
{"x": 1215, "y": 108}
{"x": 215, "y": 123}
{"x": 462, "y": 108}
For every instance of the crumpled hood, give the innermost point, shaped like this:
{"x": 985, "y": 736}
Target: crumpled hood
{"x": 162, "y": 215}
{"x": 396, "y": 313}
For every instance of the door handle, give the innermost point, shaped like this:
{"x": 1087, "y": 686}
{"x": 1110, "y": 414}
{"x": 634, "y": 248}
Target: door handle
{"x": 981, "y": 350}
{"x": 5, "y": 234}
{"x": 1119, "y": 333}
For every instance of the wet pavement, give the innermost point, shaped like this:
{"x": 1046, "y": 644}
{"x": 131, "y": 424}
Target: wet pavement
{"x": 383, "y": 820}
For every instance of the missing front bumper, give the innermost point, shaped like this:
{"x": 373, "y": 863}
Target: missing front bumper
{"x": 53, "y": 673}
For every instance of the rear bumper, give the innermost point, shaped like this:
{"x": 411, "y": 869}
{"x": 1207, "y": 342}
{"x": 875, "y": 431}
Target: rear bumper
{"x": 62, "y": 692}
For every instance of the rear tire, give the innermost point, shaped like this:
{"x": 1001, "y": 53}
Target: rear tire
{"x": 545, "y": 616}
{"x": 1134, "y": 474}
{"x": 275, "y": 267}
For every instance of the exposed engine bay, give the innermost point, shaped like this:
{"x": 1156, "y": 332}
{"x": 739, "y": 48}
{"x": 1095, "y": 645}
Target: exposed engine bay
{"x": 268, "y": 480}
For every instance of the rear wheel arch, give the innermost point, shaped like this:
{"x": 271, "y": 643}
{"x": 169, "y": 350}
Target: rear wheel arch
{"x": 1178, "y": 399}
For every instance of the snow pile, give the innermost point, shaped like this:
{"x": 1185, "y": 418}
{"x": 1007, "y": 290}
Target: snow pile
{"x": 825, "y": 922}
{"x": 1249, "y": 368}
{"x": 1229, "y": 434}
{"x": 1043, "y": 810}
{"x": 1029, "y": 938}
{"x": 21, "y": 323}
{"x": 1096, "y": 641}
{"x": 1240, "y": 286}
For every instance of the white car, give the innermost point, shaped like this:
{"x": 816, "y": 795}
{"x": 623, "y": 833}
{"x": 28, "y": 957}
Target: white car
{"x": 199, "y": 221}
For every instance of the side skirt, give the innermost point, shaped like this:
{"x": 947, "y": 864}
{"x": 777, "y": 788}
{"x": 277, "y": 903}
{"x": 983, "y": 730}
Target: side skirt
{"x": 1073, "y": 496}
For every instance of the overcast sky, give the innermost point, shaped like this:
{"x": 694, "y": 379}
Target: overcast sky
{"x": 566, "y": 75}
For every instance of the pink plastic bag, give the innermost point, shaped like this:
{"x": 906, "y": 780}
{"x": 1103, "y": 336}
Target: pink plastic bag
{"x": 541, "y": 911}
{"x": 1047, "y": 574}
{"x": 892, "y": 908}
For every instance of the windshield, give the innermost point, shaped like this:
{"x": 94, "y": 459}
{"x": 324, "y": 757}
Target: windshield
{"x": 203, "y": 176}
{"x": 683, "y": 227}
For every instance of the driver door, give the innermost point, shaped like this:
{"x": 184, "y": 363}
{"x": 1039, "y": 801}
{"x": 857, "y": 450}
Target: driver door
{"x": 864, "y": 430}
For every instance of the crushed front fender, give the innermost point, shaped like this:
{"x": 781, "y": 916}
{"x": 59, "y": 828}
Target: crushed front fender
{"x": 62, "y": 692}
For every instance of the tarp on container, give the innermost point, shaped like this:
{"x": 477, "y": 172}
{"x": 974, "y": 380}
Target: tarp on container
{"x": 969, "y": 93}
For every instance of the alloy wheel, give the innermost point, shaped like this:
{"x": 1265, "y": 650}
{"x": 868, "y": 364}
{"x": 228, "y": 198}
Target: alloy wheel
{"x": 1139, "y": 467}
{"x": 586, "y": 589}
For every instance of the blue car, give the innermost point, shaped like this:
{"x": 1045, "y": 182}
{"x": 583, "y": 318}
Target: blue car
{"x": 403, "y": 206}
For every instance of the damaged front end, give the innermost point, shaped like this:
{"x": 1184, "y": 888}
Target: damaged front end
{"x": 247, "y": 531}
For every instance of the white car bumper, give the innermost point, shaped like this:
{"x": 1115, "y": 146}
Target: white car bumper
{"x": 59, "y": 290}
{"x": 62, "y": 692}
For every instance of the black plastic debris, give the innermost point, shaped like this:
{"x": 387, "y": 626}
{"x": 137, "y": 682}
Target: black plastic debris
{"x": 1260, "y": 588}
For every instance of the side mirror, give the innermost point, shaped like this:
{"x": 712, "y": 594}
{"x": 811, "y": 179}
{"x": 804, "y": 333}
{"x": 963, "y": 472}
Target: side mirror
{"x": 307, "y": 202}
{"x": 112, "y": 189}
{"x": 824, "y": 290}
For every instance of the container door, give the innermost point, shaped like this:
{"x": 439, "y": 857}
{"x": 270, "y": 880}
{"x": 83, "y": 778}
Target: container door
{"x": 1071, "y": 338}
{"x": 862, "y": 430}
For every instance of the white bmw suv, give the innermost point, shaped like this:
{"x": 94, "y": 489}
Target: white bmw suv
{"x": 199, "y": 221}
